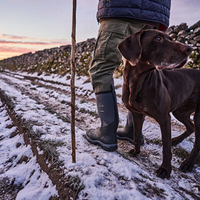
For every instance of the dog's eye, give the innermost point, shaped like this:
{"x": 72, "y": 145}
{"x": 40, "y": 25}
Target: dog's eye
{"x": 159, "y": 38}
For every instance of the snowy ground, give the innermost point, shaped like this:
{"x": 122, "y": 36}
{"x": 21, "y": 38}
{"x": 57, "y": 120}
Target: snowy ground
{"x": 44, "y": 101}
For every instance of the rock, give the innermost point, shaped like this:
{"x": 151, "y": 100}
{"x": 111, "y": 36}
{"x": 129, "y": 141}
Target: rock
{"x": 181, "y": 32}
{"x": 192, "y": 42}
{"x": 197, "y": 30}
{"x": 170, "y": 30}
{"x": 173, "y": 36}
{"x": 181, "y": 39}
{"x": 197, "y": 38}
{"x": 195, "y": 25}
{"x": 183, "y": 26}
{"x": 176, "y": 29}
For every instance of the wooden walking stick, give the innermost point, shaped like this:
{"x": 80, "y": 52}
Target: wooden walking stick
{"x": 73, "y": 49}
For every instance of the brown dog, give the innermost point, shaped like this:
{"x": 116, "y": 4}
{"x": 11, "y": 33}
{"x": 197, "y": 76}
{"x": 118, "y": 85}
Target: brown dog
{"x": 155, "y": 86}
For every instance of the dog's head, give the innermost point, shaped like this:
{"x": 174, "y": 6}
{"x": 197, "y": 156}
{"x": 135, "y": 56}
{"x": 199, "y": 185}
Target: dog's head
{"x": 154, "y": 47}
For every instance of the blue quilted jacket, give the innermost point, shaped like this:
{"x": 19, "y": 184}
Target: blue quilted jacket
{"x": 147, "y": 10}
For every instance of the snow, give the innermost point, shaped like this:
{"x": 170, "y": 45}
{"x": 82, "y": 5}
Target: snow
{"x": 21, "y": 173}
{"x": 105, "y": 175}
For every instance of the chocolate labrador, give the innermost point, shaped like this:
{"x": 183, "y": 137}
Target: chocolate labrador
{"x": 155, "y": 85}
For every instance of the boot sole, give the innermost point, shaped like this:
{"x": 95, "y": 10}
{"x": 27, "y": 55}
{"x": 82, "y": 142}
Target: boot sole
{"x": 128, "y": 139}
{"x": 106, "y": 147}
{"x": 125, "y": 138}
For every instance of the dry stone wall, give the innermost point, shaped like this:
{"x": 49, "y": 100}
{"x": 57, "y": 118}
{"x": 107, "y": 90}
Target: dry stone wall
{"x": 190, "y": 36}
{"x": 185, "y": 34}
{"x": 54, "y": 60}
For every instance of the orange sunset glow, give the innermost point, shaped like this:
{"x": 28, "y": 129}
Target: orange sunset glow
{"x": 32, "y": 25}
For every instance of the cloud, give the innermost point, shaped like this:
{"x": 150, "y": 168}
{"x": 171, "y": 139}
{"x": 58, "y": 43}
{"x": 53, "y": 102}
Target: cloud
{"x": 6, "y": 49}
{"x": 7, "y": 36}
{"x": 14, "y": 39}
{"x": 16, "y": 45}
{"x": 21, "y": 42}
{"x": 56, "y": 43}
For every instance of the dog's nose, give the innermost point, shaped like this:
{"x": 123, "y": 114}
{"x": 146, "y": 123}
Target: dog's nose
{"x": 186, "y": 49}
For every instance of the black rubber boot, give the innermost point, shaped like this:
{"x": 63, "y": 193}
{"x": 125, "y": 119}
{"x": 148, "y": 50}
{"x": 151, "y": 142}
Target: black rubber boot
{"x": 126, "y": 133}
{"x": 105, "y": 136}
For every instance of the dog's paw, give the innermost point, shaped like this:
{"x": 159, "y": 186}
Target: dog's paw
{"x": 133, "y": 153}
{"x": 186, "y": 166}
{"x": 163, "y": 173}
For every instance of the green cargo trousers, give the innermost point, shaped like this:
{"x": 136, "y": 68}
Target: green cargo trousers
{"x": 106, "y": 56}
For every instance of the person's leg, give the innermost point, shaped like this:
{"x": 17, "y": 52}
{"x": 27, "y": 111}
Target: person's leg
{"x": 106, "y": 58}
{"x": 126, "y": 133}
{"x": 106, "y": 55}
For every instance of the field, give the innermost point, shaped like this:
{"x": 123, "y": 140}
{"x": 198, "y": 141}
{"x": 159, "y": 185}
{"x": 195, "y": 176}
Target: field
{"x": 35, "y": 147}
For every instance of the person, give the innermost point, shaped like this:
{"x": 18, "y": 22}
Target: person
{"x": 118, "y": 20}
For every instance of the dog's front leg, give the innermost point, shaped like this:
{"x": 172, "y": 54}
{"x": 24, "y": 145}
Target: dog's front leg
{"x": 137, "y": 133}
{"x": 165, "y": 169}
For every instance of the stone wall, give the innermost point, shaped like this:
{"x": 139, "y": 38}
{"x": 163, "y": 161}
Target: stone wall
{"x": 187, "y": 35}
{"x": 54, "y": 60}
{"x": 190, "y": 36}
{"x": 57, "y": 60}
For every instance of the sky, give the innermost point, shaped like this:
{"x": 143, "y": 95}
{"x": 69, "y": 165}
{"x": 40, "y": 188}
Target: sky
{"x": 32, "y": 25}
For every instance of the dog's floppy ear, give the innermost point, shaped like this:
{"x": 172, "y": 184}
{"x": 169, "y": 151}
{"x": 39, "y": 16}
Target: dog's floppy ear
{"x": 131, "y": 48}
